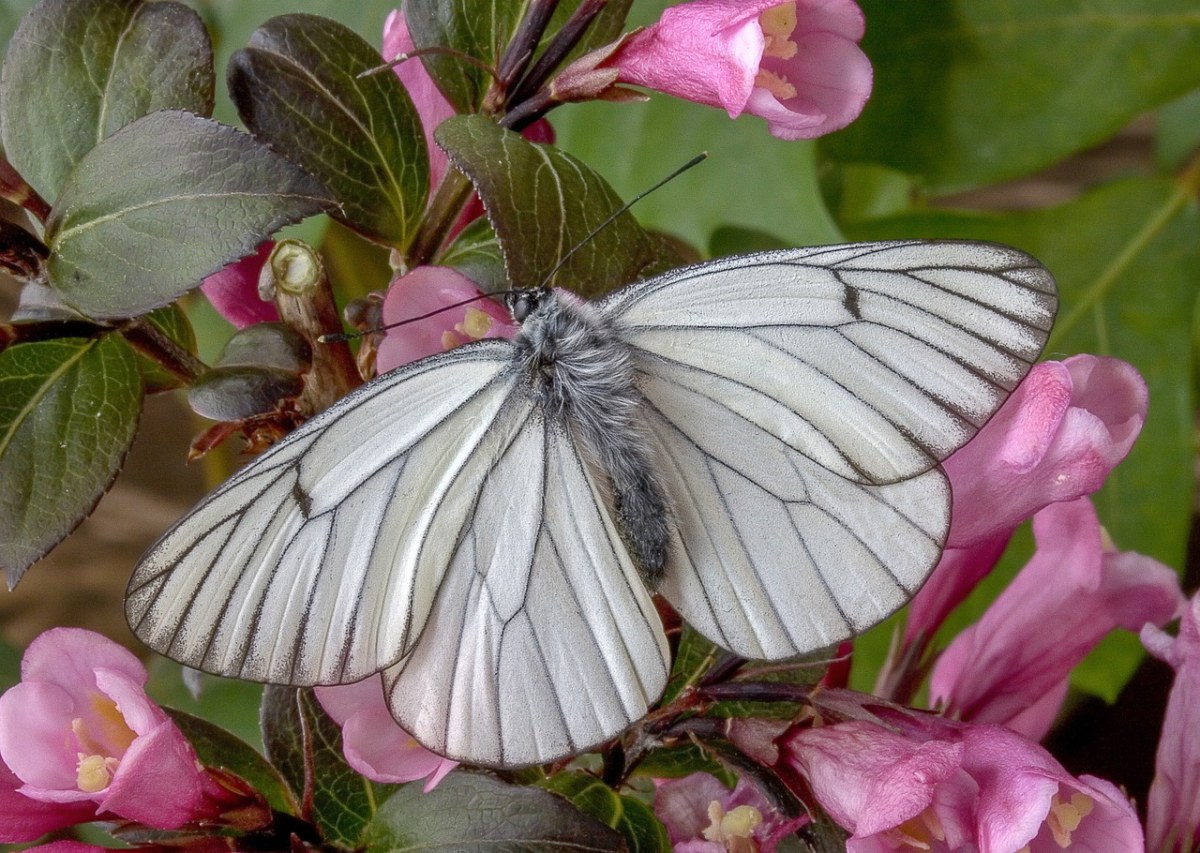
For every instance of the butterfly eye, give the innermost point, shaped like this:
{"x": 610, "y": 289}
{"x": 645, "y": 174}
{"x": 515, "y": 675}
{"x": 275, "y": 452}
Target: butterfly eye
{"x": 522, "y": 303}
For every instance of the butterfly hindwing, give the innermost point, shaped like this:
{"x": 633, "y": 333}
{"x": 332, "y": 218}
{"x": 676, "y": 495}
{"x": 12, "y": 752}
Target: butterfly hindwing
{"x": 543, "y": 641}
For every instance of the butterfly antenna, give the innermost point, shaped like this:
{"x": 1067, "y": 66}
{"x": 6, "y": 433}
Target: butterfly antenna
{"x": 620, "y": 210}
{"x": 347, "y": 336}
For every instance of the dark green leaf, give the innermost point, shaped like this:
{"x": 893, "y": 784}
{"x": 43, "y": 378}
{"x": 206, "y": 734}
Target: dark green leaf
{"x": 269, "y": 344}
{"x": 477, "y": 28}
{"x": 482, "y": 30}
{"x": 696, "y": 654}
{"x": 172, "y": 322}
{"x": 1178, "y": 131}
{"x": 734, "y": 240}
{"x": 476, "y": 254}
{"x": 474, "y": 812}
{"x": 145, "y": 216}
{"x": 675, "y": 762}
{"x": 542, "y": 202}
{"x": 296, "y": 732}
{"x": 243, "y": 391}
{"x": 969, "y": 93}
{"x": 1127, "y": 252}
{"x": 626, "y": 814}
{"x": 79, "y": 70}
{"x": 68, "y": 412}
{"x": 217, "y": 748}
{"x": 297, "y": 88}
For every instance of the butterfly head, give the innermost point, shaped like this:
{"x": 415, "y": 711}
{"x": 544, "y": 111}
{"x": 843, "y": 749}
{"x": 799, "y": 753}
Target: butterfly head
{"x": 523, "y": 303}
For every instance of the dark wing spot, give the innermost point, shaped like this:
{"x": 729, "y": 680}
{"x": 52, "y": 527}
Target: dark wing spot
{"x": 850, "y": 302}
{"x": 302, "y": 499}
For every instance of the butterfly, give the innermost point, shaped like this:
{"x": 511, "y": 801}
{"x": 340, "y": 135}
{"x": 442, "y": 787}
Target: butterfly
{"x": 756, "y": 439}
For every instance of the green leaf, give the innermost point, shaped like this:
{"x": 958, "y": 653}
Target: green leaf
{"x": 145, "y": 216}
{"x": 675, "y": 762}
{"x": 1177, "y": 127}
{"x": 298, "y": 733}
{"x": 750, "y": 178}
{"x": 542, "y": 203}
{"x": 220, "y": 749}
{"x": 471, "y": 811}
{"x": 970, "y": 93}
{"x": 734, "y": 240}
{"x": 476, "y": 254}
{"x": 297, "y": 88}
{"x": 172, "y": 322}
{"x": 477, "y": 28}
{"x": 482, "y": 29}
{"x": 234, "y": 704}
{"x": 79, "y": 70}
{"x": 695, "y": 656}
{"x": 68, "y": 412}
{"x": 627, "y": 815}
{"x": 1128, "y": 254}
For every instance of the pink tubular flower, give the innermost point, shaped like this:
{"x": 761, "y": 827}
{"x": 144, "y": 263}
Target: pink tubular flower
{"x": 795, "y": 64}
{"x": 373, "y": 743}
{"x": 1057, "y": 438}
{"x": 425, "y": 290}
{"x": 233, "y": 290}
{"x": 1173, "y": 806}
{"x": 1011, "y": 667}
{"x": 81, "y": 736}
{"x": 939, "y": 786}
{"x": 703, "y": 816}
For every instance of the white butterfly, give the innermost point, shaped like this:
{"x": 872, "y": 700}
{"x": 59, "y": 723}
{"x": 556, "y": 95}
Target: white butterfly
{"x": 756, "y": 439}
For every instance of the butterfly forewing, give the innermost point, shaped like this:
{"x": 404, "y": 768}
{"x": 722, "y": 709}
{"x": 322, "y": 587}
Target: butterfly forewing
{"x": 314, "y": 565}
{"x": 876, "y": 360}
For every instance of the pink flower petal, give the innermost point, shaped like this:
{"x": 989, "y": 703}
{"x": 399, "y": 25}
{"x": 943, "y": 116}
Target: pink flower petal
{"x": 23, "y": 819}
{"x": 1057, "y": 608}
{"x": 956, "y": 574}
{"x": 426, "y": 290}
{"x": 1173, "y": 805}
{"x": 431, "y": 104}
{"x": 718, "y": 52}
{"x": 233, "y": 290}
{"x": 158, "y": 782}
{"x": 1055, "y": 439}
{"x": 373, "y": 743}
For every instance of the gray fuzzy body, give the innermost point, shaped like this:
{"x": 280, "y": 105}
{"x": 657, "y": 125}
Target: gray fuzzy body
{"x": 582, "y": 376}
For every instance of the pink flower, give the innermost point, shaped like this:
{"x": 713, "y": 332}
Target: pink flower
{"x": 233, "y": 290}
{"x": 81, "y": 736}
{"x": 433, "y": 108}
{"x": 796, "y": 64}
{"x": 1012, "y": 666}
{"x": 425, "y": 290}
{"x": 1173, "y": 806}
{"x": 1056, "y": 439}
{"x": 703, "y": 816}
{"x": 934, "y": 785}
{"x": 372, "y": 742}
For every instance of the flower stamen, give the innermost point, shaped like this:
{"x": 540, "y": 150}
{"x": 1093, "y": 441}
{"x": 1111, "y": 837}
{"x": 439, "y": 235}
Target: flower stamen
{"x": 1065, "y": 817}
{"x": 778, "y": 23}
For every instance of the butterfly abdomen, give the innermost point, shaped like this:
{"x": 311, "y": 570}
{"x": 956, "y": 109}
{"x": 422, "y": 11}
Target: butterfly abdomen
{"x": 582, "y": 376}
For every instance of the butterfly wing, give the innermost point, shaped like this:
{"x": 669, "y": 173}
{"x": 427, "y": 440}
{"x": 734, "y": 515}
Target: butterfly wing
{"x": 799, "y": 403}
{"x": 543, "y": 640}
{"x": 432, "y": 518}
{"x": 317, "y": 563}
